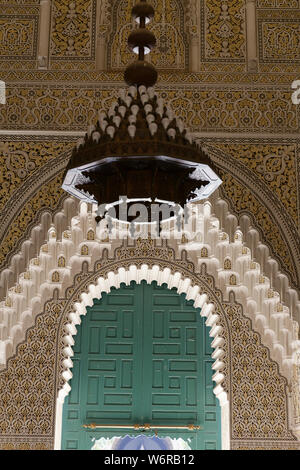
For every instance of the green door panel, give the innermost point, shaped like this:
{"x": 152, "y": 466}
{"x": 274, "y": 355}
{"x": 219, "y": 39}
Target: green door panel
{"x": 142, "y": 355}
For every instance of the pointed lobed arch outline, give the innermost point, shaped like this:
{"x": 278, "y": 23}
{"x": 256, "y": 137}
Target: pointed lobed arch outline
{"x": 173, "y": 280}
{"x": 135, "y": 266}
{"x": 260, "y": 302}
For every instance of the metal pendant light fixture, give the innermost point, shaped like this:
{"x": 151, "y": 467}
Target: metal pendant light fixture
{"x": 139, "y": 148}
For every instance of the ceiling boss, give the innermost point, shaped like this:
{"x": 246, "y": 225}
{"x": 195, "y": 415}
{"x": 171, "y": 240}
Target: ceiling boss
{"x": 139, "y": 148}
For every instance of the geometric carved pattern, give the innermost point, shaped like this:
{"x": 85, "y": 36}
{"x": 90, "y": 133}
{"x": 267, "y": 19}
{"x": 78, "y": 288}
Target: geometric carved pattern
{"x": 275, "y": 165}
{"x": 18, "y": 36}
{"x": 212, "y": 73}
{"x": 21, "y": 160}
{"x": 277, "y": 3}
{"x": 73, "y": 30}
{"x": 229, "y": 110}
{"x": 65, "y": 108}
{"x": 259, "y": 396}
{"x": 280, "y": 40}
{"x": 27, "y": 387}
{"x": 30, "y": 182}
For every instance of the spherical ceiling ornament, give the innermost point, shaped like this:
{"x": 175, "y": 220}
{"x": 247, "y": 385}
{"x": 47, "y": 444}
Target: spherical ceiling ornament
{"x": 141, "y": 41}
{"x": 142, "y": 10}
{"x": 141, "y": 37}
{"x": 141, "y": 73}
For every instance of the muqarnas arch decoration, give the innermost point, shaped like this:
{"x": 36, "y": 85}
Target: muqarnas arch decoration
{"x": 252, "y": 392}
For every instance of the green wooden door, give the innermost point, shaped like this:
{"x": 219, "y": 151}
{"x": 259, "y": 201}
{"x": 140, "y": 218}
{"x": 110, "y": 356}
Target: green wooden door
{"x": 142, "y": 355}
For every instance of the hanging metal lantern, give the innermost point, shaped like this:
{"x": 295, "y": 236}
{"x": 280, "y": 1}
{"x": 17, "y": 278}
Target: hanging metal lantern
{"x": 139, "y": 148}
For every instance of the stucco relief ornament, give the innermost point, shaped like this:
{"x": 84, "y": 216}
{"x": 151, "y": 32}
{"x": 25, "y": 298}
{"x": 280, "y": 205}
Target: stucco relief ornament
{"x": 273, "y": 166}
{"x": 17, "y": 163}
{"x": 139, "y": 148}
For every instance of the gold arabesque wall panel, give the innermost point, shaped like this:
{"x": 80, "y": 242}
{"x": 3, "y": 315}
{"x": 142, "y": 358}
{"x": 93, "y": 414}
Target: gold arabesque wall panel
{"x": 221, "y": 99}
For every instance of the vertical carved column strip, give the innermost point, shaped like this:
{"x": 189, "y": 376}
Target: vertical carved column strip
{"x": 195, "y": 54}
{"x": 102, "y": 33}
{"x": 44, "y": 35}
{"x": 193, "y": 29}
{"x": 101, "y": 52}
{"x": 251, "y": 36}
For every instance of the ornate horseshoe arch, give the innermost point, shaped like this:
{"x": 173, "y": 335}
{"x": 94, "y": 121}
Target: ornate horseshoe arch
{"x": 247, "y": 380}
{"x": 163, "y": 268}
{"x": 149, "y": 262}
{"x": 250, "y": 362}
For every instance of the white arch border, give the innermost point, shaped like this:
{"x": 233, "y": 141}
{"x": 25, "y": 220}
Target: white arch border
{"x": 182, "y": 285}
{"x": 252, "y": 288}
{"x": 271, "y": 318}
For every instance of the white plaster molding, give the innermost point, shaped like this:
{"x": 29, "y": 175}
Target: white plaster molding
{"x": 229, "y": 262}
{"x": 145, "y": 273}
{"x": 39, "y": 233}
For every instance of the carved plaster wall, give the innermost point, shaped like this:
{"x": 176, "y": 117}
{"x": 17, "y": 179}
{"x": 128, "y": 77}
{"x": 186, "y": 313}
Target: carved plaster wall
{"x": 222, "y": 103}
{"x": 227, "y": 259}
{"x": 230, "y": 80}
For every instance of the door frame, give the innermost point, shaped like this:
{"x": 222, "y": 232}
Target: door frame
{"x": 183, "y": 286}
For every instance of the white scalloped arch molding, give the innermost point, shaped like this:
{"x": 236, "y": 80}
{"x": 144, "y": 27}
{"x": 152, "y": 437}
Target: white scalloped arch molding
{"x": 227, "y": 258}
{"x": 226, "y": 221}
{"x": 183, "y": 285}
{"x": 229, "y": 262}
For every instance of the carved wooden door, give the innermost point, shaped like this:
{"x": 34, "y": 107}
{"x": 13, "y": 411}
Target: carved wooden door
{"x": 142, "y": 355}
